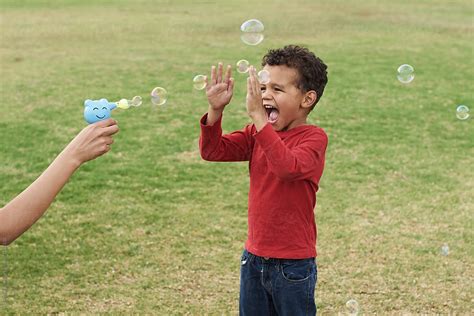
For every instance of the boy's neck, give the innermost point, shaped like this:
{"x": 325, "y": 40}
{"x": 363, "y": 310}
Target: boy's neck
{"x": 296, "y": 123}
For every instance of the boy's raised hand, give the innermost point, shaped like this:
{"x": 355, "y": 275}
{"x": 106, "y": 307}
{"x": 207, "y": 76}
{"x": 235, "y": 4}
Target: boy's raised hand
{"x": 219, "y": 90}
{"x": 255, "y": 108}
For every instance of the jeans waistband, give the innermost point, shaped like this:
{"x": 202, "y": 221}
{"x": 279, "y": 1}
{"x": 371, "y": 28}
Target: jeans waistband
{"x": 276, "y": 260}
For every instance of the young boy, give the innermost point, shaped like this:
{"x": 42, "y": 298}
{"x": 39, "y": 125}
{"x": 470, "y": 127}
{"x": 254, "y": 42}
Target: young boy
{"x": 286, "y": 161}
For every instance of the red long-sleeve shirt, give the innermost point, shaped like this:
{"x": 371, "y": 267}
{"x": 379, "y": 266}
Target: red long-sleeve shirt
{"x": 285, "y": 168}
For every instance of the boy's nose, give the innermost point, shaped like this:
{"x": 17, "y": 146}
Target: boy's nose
{"x": 266, "y": 95}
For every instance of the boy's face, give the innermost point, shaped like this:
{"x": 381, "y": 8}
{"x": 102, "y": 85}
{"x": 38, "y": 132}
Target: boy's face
{"x": 282, "y": 99}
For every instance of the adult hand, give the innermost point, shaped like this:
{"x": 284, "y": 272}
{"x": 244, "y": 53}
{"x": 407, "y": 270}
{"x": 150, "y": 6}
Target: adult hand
{"x": 93, "y": 141}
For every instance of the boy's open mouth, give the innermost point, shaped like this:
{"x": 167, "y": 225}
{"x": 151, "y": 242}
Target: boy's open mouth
{"x": 272, "y": 113}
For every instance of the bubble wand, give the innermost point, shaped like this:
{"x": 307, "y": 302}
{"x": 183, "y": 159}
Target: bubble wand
{"x": 98, "y": 110}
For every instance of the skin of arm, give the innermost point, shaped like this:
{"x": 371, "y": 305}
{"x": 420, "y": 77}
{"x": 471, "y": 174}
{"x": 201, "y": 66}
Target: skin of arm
{"x": 26, "y": 208}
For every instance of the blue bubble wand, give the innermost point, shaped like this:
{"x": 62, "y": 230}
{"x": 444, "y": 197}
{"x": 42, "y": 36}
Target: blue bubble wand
{"x": 98, "y": 110}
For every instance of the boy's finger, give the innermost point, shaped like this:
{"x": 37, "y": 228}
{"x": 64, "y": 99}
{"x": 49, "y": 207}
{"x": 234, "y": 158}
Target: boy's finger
{"x": 219, "y": 73}
{"x": 207, "y": 83}
{"x": 252, "y": 80}
{"x": 230, "y": 87}
{"x": 213, "y": 75}
{"x": 228, "y": 73}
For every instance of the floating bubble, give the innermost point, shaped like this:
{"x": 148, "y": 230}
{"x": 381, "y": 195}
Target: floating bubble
{"x": 243, "y": 66}
{"x": 352, "y": 307}
{"x": 252, "y": 32}
{"x": 263, "y": 76}
{"x": 125, "y": 104}
{"x": 158, "y": 96}
{"x": 462, "y": 112}
{"x": 136, "y": 101}
{"x": 405, "y": 73}
{"x": 199, "y": 82}
{"x": 252, "y": 26}
{"x": 252, "y": 38}
{"x": 445, "y": 250}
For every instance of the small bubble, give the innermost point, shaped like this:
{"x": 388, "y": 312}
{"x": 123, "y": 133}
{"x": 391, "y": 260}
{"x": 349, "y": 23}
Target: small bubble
{"x": 199, "y": 82}
{"x": 136, "y": 101}
{"x": 405, "y": 73}
{"x": 445, "y": 250}
{"x": 243, "y": 66}
{"x": 158, "y": 96}
{"x": 123, "y": 104}
{"x": 263, "y": 76}
{"x": 462, "y": 112}
{"x": 352, "y": 307}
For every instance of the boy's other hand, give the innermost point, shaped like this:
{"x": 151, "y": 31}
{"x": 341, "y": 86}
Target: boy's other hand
{"x": 255, "y": 108}
{"x": 219, "y": 90}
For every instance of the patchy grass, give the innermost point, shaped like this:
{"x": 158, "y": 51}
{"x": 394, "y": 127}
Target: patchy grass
{"x": 150, "y": 228}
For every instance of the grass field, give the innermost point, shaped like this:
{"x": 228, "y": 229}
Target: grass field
{"x": 151, "y": 228}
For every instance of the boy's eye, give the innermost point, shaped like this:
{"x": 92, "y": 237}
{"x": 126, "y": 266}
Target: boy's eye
{"x": 262, "y": 88}
{"x": 278, "y": 89}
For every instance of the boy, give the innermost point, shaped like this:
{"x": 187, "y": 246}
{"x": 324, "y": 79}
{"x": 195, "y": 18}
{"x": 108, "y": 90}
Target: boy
{"x": 286, "y": 161}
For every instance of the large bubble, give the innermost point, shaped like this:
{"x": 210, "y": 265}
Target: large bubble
{"x": 252, "y": 32}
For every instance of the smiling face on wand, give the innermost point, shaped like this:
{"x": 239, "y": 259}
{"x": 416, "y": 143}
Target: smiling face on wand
{"x": 96, "y": 110}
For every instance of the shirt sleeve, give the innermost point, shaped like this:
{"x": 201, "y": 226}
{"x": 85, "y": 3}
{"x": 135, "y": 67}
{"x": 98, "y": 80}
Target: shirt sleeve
{"x": 300, "y": 162}
{"x": 214, "y": 146}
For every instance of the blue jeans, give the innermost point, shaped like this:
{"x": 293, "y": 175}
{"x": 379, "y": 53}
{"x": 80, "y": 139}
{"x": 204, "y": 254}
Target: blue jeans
{"x": 271, "y": 286}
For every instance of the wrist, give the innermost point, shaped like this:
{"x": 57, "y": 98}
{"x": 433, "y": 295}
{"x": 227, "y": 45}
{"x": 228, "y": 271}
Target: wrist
{"x": 259, "y": 120}
{"x": 213, "y": 115}
{"x": 69, "y": 160}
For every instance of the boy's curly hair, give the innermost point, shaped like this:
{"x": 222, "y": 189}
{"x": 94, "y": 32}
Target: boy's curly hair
{"x": 311, "y": 69}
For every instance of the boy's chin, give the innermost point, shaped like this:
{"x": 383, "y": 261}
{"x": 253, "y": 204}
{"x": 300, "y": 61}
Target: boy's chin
{"x": 275, "y": 126}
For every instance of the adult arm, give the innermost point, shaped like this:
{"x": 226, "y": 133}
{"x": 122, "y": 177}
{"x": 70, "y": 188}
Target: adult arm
{"x": 25, "y": 209}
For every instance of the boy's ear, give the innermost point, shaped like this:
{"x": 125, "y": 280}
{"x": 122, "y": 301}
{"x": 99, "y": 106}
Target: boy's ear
{"x": 309, "y": 99}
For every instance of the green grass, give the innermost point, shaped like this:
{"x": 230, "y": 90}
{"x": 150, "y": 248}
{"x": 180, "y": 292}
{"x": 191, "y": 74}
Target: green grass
{"x": 151, "y": 228}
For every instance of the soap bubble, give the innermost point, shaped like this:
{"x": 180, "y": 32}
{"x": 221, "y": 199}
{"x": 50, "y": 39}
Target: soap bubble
{"x": 252, "y": 38}
{"x": 263, "y": 76}
{"x": 243, "y": 66}
{"x": 252, "y": 32}
{"x": 136, "y": 101}
{"x": 125, "y": 104}
{"x": 405, "y": 73}
{"x": 462, "y": 112}
{"x": 352, "y": 307}
{"x": 445, "y": 250}
{"x": 199, "y": 82}
{"x": 158, "y": 96}
{"x": 252, "y": 26}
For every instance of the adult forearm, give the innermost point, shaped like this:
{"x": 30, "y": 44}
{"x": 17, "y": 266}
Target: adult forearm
{"x": 25, "y": 209}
